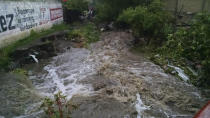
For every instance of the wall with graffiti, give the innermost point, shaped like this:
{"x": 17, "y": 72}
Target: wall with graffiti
{"x": 18, "y": 18}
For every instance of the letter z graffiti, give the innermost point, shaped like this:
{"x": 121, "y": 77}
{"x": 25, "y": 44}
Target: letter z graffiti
{"x": 6, "y": 22}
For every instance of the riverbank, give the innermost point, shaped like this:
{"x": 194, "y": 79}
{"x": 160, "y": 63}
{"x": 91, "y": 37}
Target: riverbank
{"x": 8, "y": 50}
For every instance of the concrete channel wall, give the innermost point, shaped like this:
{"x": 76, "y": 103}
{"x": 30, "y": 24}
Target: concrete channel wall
{"x": 18, "y": 18}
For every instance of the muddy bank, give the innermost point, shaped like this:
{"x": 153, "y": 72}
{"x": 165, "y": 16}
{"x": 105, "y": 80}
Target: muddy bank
{"x": 39, "y": 49}
{"x": 17, "y": 96}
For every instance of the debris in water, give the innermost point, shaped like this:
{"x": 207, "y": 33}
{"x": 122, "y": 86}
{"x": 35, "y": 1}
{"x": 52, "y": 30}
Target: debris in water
{"x": 140, "y": 107}
{"x": 180, "y": 72}
{"x": 34, "y": 57}
{"x": 102, "y": 29}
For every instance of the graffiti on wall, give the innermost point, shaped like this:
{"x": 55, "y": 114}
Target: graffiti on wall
{"x": 44, "y": 16}
{"x": 6, "y": 22}
{"x": 22, "y": 16}
{"x": 25, "y": 18}
{"x": 56, "y": 13}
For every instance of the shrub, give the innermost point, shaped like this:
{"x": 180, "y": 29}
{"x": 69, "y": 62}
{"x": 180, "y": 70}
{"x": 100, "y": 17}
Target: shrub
{"x": 151, "y": 22}
{"x": 108, "y": 10}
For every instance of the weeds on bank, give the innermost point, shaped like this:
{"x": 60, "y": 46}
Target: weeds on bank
{"x": 59, "y": 107}
{"x": 20, "y": 71}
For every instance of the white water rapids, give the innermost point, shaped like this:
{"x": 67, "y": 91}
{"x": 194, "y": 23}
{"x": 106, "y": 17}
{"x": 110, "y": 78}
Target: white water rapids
{"x": 64, "y": 72}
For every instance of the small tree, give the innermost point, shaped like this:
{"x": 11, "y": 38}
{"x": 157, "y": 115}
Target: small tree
{"x": 151, "y": 22}
{"x": 57, "y": 108}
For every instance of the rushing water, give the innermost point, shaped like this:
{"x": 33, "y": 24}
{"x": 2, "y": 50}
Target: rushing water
{"x": 140, "y": 107}
{"x": 64, "y": 72}
{"x": 180, "y": 72}
{"x": 110, "y": 72}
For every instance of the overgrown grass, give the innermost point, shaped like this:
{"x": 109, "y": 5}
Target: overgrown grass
{"x": 6, "y": 51}
{"x": 87, "y": 33}
{"x": 20, "y": 71}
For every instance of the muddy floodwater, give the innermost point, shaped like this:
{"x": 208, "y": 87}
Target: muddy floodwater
{"x": 106, "y": 80}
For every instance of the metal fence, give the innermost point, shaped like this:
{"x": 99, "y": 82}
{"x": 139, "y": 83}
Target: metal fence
{"x": 184, "y": 10}
{"x": 193, "y": 6}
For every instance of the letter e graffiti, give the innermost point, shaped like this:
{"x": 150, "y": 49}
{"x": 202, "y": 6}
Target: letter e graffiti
{"x": 3, "y": 23}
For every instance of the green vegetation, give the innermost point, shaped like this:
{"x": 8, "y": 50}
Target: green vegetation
{"x": 6, "y": 51}
{"x": 151, "y": 22}
{"x": 147, "y": 18}
{"x": 57, "y": 108}
{"x": 109, "y": 10}
{"x": 20, "y": 71}
{"x": 193, "y": 44}
{"x": 85, "y": 34}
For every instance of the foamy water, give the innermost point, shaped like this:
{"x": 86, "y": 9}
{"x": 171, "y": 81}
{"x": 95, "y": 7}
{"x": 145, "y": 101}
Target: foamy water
{"x": 140, "y": 107}
{"x": 180, "y": 72}
{"x": 64, "y": 72}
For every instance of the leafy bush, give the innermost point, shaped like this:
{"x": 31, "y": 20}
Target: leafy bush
{"x": 193, "y": 44}
{"x": 108, "y": 10}
{"x": 80, "y": 5}
{"x": 148, "y": 21}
